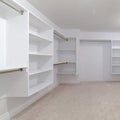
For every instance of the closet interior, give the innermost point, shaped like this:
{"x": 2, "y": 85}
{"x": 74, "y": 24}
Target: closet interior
{"x": 35, "y": 54}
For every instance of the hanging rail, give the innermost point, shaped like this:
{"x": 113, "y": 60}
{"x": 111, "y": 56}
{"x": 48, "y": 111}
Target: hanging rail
{"x": 60, "y": 63}
{"x": 10, "y": 71}
{"x": 60, "y": 35}
{"x": 19, "y": 11}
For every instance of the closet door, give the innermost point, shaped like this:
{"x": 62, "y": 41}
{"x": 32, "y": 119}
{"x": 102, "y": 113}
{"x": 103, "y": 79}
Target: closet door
{"x": 91, "y": 61}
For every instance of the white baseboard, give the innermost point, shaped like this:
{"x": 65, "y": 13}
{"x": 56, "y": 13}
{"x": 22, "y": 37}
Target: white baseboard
{"x": 12, "y": 113}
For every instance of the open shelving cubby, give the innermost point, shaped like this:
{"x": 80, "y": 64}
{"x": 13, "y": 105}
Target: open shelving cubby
{"x": 40, "y": 54}
{"x": 115, "y": 57}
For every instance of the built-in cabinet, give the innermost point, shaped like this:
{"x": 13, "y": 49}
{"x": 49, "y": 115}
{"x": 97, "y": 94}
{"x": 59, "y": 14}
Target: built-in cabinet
{"x": 26, "y": 48}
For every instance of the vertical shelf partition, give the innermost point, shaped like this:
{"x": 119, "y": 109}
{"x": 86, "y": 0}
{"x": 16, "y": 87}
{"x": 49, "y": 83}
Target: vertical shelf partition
{"x": 40, "y": 55}
{"x": 115, "y": 56}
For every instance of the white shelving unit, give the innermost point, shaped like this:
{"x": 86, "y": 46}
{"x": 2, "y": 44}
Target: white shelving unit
{"x": 26, "y": 52}
{"x": 40, "y": 55}
{"x": 65, "y": 55}
{"x": 115, "y": 57}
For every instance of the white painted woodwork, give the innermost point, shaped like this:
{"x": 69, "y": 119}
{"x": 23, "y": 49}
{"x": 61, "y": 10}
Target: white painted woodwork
{"x": 115, "y": 57}
{"x": 26, "y": 42}
{"x": 14, "y": 37}
{"x": 40, "y": 55}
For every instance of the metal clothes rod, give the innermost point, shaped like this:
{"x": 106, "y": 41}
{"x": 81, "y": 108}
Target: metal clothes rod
{"x": 60, "y": 35}
{"x": 19, "y": 11}
{"x": 10, "y": 71}
{"x": 61, "y": 63}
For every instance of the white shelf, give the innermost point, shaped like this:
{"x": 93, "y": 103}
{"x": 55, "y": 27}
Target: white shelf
{"x": 115, "y": 56}
{"x": 35, "y": 36}
{"x": 67, "y": 50}
{"x": 115, "y": 47}
{"x": 39, "y": 87}
{"x": 116, "y": 65}
{"x": 40, "y": 71}
{"x": 39, "y": 54}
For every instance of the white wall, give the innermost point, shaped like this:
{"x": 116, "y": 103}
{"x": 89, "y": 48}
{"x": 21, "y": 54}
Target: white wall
{"x": 95, "y": 57}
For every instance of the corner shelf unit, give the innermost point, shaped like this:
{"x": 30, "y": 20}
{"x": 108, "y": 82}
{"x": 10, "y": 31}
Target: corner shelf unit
{"x": 65, "y": 55}
{"x": 115, "y": 57}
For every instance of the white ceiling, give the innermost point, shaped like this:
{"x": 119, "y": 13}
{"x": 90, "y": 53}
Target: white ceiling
{"x": 86, "y": 15}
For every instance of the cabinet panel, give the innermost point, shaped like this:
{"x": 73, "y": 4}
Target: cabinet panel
{"x": 2, "y": 42}
{"x": 17, "y": 41}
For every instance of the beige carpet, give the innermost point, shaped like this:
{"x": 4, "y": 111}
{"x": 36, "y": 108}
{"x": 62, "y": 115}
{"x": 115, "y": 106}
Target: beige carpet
{"x": 86, "y": 101}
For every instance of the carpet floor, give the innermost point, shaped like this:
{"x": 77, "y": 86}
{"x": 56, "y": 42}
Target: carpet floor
{"x": 85, "y": 101}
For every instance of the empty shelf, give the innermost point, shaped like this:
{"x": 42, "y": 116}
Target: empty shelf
{"x": 40, "y": 71}
{"x": 39, "y": 54}
{"x": 35, "y": 36}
